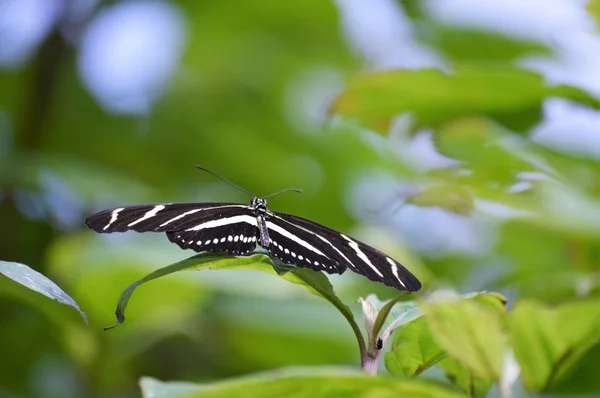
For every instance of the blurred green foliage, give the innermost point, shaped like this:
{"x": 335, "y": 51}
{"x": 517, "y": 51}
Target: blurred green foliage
{"x": 236, "y": 104}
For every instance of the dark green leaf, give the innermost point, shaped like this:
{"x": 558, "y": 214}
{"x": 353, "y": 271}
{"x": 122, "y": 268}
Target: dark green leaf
{"x": 582, "y": 378}
{"x": 548, "y": 341}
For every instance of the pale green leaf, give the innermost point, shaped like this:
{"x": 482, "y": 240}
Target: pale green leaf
{"x": 37, "y": 282}
{"x": 470, "y": 332}
{"x": 309, "y": 383}
{"x": 463, "y": 377}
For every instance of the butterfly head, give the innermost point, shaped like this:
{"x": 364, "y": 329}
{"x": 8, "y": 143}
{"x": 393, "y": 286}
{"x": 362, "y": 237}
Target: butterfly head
{"x": 259, "y": 204}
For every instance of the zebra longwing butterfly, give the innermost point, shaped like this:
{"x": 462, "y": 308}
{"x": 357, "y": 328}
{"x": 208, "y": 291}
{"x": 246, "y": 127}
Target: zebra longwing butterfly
{"x": 236, "y": 229}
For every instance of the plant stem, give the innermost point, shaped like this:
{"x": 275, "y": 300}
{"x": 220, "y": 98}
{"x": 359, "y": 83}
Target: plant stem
{"x": 359, "y": 336}
{"x": 369, "y": 364}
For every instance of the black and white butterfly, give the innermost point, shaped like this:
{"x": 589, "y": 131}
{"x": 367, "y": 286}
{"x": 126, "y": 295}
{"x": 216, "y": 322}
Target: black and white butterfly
{"x": 236, "y": 229}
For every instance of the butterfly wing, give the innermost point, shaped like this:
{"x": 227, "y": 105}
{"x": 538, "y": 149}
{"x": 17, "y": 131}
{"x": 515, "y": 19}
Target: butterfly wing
{"x": 333, "y": 252}
{"x": 216, "y": 227}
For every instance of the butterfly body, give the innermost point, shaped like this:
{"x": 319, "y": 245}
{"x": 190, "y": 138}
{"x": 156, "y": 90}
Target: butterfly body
{"x": 236, "y": 229}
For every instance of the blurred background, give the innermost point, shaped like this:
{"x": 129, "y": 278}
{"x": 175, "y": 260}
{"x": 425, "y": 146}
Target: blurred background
{"x": 109, "y": 103}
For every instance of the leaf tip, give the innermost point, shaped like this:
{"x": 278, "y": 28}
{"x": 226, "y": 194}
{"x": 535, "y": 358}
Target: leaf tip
{"x": 120, "y": 320}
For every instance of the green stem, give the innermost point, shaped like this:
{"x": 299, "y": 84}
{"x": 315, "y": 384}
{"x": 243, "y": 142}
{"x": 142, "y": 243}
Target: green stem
{"x": 364, "y": 358}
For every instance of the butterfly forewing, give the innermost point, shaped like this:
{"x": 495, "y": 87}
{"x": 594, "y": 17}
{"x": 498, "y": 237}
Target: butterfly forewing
{"x": 159, "y": 217}
{"x": 215, "y": 227}
{"x": 359, "y": 257}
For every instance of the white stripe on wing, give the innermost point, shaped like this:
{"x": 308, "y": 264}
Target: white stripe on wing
{"x": 149, "y": 214}
{"x": 113, "y": 217}
{"x": 224, "y": 221}
{"x": 361, "y": 254}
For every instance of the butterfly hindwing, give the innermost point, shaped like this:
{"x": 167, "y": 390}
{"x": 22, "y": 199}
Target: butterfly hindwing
{"x": 295, "y": 246}
{"x": 234, "y": 232}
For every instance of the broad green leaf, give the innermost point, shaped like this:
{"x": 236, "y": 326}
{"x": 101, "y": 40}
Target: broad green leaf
{"x": 413, "y": 350}
{"x": 313, "y": 282}
{"x": 433, "y": 97}
{"x": 35, "y": 281}
{"x": 582, "y": 377}
{"x": 461, "y": 376}
{"x": 470, "y": 332}
{"x": 309, "y": 383}
{"x": 548, "y": 341}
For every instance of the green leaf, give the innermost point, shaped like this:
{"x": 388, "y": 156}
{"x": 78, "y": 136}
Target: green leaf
{"x": 478, "y": 142}
{"x": 453, "y": 197}
{"x": 433, "y": 97}
{"x": 414, "y": 350}
{"x": 463, "y": 377}
{"x": 582, "y": 377}
{"x": 311, "y": 383}
{"x": 593, "y": 8}
{"x": 548, "y": 341}
{"x": 407, "y": 311}
{"x": 464, "y": 44}
{"x": 35, "y": 281}
{"x": 153, "y": 388}
{"x": 375, "y": 314}
{"x": 313, "y": 282}
{"x": 469, "y": 331}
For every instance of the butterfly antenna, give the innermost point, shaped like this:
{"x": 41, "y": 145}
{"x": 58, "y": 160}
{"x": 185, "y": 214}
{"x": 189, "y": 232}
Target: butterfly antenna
{"x": 226, "y": 180}
{"x": 282, "y": 191}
